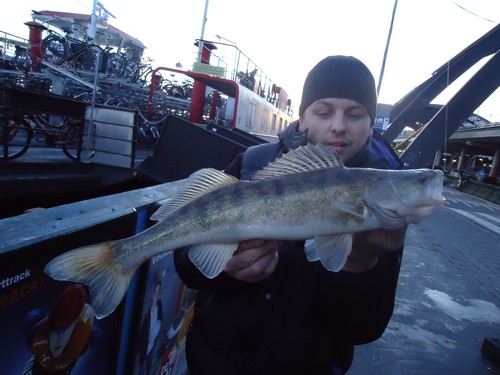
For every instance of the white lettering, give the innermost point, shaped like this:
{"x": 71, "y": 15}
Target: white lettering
{"x": 8, "y": 281}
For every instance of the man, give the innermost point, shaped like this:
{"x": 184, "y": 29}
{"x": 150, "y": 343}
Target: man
{"x": 272, "y": 311}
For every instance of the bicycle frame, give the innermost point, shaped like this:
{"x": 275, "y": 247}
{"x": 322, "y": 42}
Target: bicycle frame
{"x": 77, "y": 50}
{"x": 52, "y": 133}
{"x": 59, "y": 49}
{"x": 66, "y": 134}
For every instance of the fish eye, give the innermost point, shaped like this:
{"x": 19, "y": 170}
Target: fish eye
{"x": 422, "y": 177}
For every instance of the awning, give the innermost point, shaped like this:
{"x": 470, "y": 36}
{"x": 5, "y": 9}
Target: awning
{"x": 105, "y": 34}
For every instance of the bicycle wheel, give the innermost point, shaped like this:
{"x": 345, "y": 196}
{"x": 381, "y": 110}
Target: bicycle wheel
{"x": 187, "y": 88}
{"x": 115, "y": 65}
{"x": 147, "y": 135}
{"x": 173, "y": 89}
{"x": 54, "y": 49}
{"x": 89, "y": 59}
{"x": 144, "y": 75}
{"x": 22, "y": 61}
{"x": 15, "y": 138}
{"x": 72, "y": 141}
{"x": 73, "y": 145}
{"x": 131, "y": 71}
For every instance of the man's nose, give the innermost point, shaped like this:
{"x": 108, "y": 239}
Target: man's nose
{"x": 337, "y": 123}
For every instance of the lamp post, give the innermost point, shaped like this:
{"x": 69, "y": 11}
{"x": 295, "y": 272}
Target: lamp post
{"x": 386, "y": 48}
{"x": 202, "y": 36}
{"x": 198, "y": 93}
{"x": 97, "y": 18}
{"x": 93, "y": 20}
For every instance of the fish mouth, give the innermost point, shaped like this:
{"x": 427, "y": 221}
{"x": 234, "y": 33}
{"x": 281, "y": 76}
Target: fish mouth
{"x": 435, "y": 192}
{"x": 434, "y": 201}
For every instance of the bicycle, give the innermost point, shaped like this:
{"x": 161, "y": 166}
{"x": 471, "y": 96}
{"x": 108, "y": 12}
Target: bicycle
{"x": 144, "y": 74}
{"x": 183, "y": 90}
{"x": 81, "y": 55}
{"x": 173, "y": 89}
{"x": 114, "y": 62}
{"x": 18, "y": 131}
{"x": 147, "y": 132}
{"x": 462, "y": 180}
{"x": 131, "y": 68}
{"x": 21, "y": 61}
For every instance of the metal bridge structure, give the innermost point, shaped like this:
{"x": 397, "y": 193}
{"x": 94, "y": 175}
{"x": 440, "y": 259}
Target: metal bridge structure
{"x": 438, "y": 130}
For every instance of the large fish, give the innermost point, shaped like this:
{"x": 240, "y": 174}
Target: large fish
{"x": 307, "y": 194}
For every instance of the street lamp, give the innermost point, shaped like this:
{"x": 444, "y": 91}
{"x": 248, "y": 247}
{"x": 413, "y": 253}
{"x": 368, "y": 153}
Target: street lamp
{"x": 227, "y": 40}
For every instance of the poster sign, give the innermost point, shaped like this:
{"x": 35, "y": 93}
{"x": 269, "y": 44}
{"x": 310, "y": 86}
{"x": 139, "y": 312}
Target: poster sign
{"x": 211, "y": 70}
{"x": 166, "y": 314}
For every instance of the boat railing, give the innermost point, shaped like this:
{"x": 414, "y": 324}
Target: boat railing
{"x": 243, "y": 70}
{"x": 9, "y": 42}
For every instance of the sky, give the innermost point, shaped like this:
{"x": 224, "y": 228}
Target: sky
{"x": 286, "y": 40}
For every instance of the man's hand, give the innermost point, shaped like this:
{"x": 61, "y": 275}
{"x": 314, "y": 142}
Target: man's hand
{"x": 368, "y": 246}
{"x": 254, "y": 260}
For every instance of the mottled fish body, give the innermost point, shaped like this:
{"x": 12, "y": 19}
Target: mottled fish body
{"x": 306, "y": 195}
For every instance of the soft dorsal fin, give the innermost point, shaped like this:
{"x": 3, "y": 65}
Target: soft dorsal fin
{"x": 303, "y": 159}
{"x": 199, "y": 183}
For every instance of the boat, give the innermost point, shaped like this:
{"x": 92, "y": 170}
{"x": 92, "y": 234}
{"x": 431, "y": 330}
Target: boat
{"x": 224, "y": 97}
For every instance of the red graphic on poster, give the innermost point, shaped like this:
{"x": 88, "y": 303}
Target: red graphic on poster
{"x": 63, "y": 336}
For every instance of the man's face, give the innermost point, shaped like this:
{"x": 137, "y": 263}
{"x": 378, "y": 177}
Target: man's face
{"x": 341, "y": 124}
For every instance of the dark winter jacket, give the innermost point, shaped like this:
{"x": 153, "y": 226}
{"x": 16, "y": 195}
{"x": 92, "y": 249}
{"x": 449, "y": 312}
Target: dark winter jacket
{"x": 303, "y": 319}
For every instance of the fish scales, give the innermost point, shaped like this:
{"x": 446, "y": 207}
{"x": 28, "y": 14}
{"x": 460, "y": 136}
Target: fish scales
{"x": 324, "y": 204}
{"x": 222, "y": 215}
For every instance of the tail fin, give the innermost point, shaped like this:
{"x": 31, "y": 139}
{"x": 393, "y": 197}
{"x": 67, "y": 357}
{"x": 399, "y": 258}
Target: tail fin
{"x": 96, "y": 267}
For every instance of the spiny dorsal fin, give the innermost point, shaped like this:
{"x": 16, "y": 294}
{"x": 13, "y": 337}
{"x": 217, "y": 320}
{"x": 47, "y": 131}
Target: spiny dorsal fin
{"x": 199, "y": 183}
{"x": 303, "y": 159}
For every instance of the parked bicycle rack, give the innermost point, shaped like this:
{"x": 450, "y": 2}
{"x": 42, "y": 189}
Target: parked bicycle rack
{"x": 70, "y": 75}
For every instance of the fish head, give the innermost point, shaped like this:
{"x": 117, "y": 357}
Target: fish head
{"x": 398, "y": 198}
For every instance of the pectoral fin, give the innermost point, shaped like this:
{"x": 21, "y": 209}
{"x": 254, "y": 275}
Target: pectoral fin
{"x": 388, "y": 219}
{"x": 332, "y": 250}
{"x": 354, "y": 210}
{"x": 211, "y": 259}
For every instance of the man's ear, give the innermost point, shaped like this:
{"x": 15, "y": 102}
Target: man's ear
{"x": 301, "y": 120}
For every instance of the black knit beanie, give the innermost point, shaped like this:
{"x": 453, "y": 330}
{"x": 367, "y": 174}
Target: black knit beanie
{"x": 342, "y": 77}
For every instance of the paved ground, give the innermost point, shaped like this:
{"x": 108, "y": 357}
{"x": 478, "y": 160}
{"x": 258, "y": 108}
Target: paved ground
{"x": 448, "y": 297}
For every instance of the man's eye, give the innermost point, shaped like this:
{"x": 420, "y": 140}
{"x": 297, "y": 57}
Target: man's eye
{"x": 355, "y": 115}
{"x": 324, "y": 113}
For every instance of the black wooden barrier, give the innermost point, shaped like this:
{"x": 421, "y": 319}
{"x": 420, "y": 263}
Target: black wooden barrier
{"x": 184, "y": 148}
